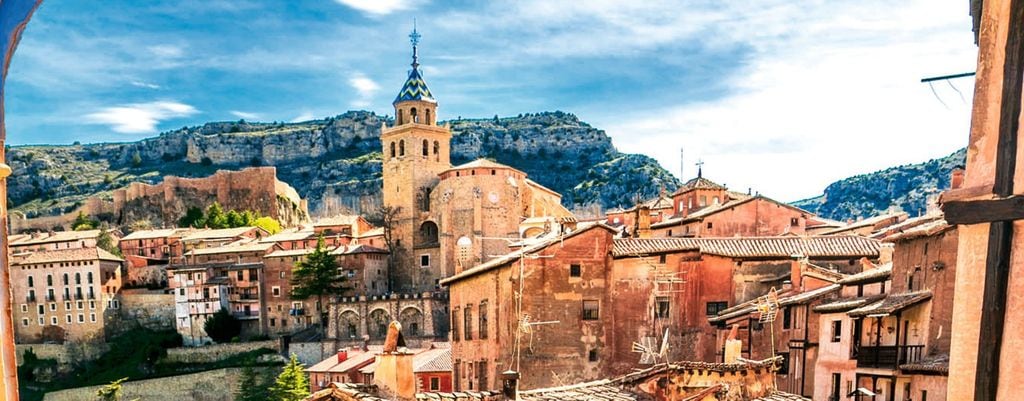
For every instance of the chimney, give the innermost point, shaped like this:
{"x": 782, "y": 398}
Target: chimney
{"x": 510, "y": 384}
{"x": 643, "y": 222}
{"x": 733, "y": 347}
{"x": 956, "y": 178}
{"x": 342, "y": 355}
{"x": 394, "y": 373}
{"x": 885, "y": 253}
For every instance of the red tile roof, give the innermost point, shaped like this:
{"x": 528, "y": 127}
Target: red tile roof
{"x": 892, "y": 303}
{"x": 752, "y": 247}
{"x": 69, "y": 255}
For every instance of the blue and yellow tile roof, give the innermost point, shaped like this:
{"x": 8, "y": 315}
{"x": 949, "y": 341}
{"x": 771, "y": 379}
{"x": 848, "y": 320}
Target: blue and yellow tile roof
{"x": 415, "y": 88}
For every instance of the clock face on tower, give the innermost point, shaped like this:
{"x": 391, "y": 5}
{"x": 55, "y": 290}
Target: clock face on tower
{"x": 493, "y": 197}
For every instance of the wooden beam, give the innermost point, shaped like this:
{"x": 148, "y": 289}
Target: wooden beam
{"x": 984, "y": 211}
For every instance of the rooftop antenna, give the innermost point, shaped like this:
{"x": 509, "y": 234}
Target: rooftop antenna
{"x": 649, "y": 352}
{"x": 768, "y": 310}
{"x": 682, "y": 165}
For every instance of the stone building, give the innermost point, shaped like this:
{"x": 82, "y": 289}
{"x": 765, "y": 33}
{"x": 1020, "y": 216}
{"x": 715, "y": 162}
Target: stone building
{"x": 24, "y": 245}
{"x": 147, "y": 254}
{"x": 424, "y": 318}
{"x": 65, "y": 294}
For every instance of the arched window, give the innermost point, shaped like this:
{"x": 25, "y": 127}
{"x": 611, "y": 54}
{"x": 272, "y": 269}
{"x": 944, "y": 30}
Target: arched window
{"x": 401, "y": 148}
{"x": 392, "y": 149}
{"x": 428, "y": 232}
{"x": 412, "y": 114}
{"x": 78, "y": 278}
{"x": 65, "y": 279}
{"x": 429, "y": 120}
{"x": 437, "y": 147}
{"x": 401, "y": 115}
{"x": 426, "y": 148}
{"x": 88, "y": 277}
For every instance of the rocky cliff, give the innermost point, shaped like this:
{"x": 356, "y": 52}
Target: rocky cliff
{"x": 335, "y": 163}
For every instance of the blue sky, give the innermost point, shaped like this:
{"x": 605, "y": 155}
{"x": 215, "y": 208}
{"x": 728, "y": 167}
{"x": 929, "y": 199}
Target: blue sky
{"x": 774, "y": 95}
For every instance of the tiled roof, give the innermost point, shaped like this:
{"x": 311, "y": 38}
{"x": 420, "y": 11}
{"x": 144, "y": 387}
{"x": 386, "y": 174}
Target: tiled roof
{"x": 150, "y": 234}
{"x": 433, "y": 360}
{"x": 906, "y": 225}
{"x": 480, "y": 163}
{"x": 356, "y": 358}
{"x": 69, "y": 255}
{"x": 846, "y": 304}
{"x": 415, "y": 89}
{"x": 712, "y": 209}
{"x": 356, "y": 248}
{"x": 871, "y": 221}
{"x": 930, "y": 364}
{"x": 781, "y": 396}
{"x": 251, "y": 247}
{"x": 752, "y": 247}
{"x": 513, "y": 256}
{"x": 60, "y": 236}
{"x": 892, "y": 303}
{"x": 289, "y": 252}
{"x": 217, "y": 233}
{"x": 876, "y": 275}
{"x": 288, "y": 236}
{"x": 698, "y": 183}
{"x": 749, "y": 307}
{"x": 923, "y": 230}
{"x": 373, "y": 232}
{"x": 339, "y": 220}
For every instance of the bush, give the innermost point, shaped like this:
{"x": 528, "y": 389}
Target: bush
{"x": 222, "y": 327}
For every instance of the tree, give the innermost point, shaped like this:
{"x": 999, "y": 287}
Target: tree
{"x": 193, "y": 218}
{"x": 291, "y": 384}
{"x": 222, "y": 327}
{"x": 249, "y": 218}
{"x": 316, "y": 276}
{"x": 215, "y": 217}
{"x": 268, "y": 224}
{"x": 83, "y": 222}
{"x": 252, "y": 386}
{"x": 234, "y": 219}
{"x": 106, "y": 242}
{"x": 387, "y": 218}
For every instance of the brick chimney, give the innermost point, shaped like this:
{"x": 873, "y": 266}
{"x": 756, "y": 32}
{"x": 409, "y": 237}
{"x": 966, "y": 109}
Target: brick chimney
{"x": 342, "y": 355}
{"x": 643, "y": 221}
{"x": 956, "y": 178}
{"x": 394, "y": 374}
{"x": 510, "y": 384}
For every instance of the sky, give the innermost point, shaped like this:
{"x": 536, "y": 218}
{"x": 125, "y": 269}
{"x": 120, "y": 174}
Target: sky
{"x": 778, "y": 96}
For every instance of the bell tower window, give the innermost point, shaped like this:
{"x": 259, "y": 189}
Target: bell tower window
{"x": 401, "y": 115}
{"x": 430, "y": 120}
{"x": 401, "y": 148}
{"x": 426, "y": 148}
{"x": 412, "y": 114}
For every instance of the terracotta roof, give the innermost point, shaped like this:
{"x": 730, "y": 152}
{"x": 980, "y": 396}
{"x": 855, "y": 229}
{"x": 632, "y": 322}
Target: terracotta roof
{"x": 356, "y": 248}
{"x": 433, "y": 360}
{"x": 780, "y": 396}
{"x": 217, "y": 233}
{"x": 924, "y": 230}
{"x": 356, "y": 358}
{"x": 69, "y": 255}
{"x": 906, "y": 225}
{"x": 713, "y": 209}
{"x": 339, "y": 220}
{"x": 698, "y": 183}
{"x": 821, "y": 273}
{"x": 288, "y": 236}
{"x": 150, "y": 234}
{"x": 790, "y": 298}
{"x": 752, "y": 247}
{"x": 373, "y": 232}
{"x": 938, "y": 363}
{"x": 59, "y": 236}
{"x": 250, "y": 247}
{"x": 892, "y": 303}
{"x": 289, "y": 252}
{"x": 484, "y": 163}
{"x": 876, "y": 275}
{"x": 531, "y": 248}
{"x": 846, "y": 304}
{"x": 871, "y": 221}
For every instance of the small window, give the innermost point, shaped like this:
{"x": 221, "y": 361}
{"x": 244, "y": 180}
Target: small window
{"x": 710, "y": 225}
{"x": 794, "y": 222}
{"x": 574, "y": 270}
{"x": 714, "y": 308}
{"x": 837, "y": 330}
{"x": 424, "y": 260}
{"x": 662, "y": 258}
{"x": 467, "y": 328}
{"x": 784, "y": 365}
{"x": 483, "y": 320}
{"x": 924, "y": 395}
{"x": 276, "y": 291}
{"x": 24, "y": 322}
{"x": 662, "y": 307}
{"x": 592, "y": 355}
{"x": 590, "y": 310}
{"x": 435, "y": 384}
{"x": 92, "y": 317}
{"x": 455, "y": 324}
{"x": 787, "y": 318}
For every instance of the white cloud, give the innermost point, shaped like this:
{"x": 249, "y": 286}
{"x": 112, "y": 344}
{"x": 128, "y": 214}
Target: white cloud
{"x": 143, "y": 84}
{"x": 305, "y": 116}
{"x": 365, "y": 89}
{"x": 379, "y": 7}
{"x": 245, "y": 115}
{"x": 166, "y": 51}
{"x": 139, "y": 118}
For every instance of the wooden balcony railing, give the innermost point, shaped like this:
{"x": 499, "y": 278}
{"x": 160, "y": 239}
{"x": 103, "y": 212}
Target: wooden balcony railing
{"x": 888, "y": 356}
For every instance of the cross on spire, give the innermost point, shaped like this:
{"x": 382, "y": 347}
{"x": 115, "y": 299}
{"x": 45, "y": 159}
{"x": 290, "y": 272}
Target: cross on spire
{"x": 414, "y": 38}
{"x": 700, "y": 166}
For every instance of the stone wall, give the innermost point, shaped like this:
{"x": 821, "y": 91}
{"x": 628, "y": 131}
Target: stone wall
{"x": 309, "y": 353}
{"x": 63, "y": 353}
{"x": 153, "y": 310}
{"x": 423, "y": 316}
{"x": 213, "y": 385}
{"x": 217, "y": 352}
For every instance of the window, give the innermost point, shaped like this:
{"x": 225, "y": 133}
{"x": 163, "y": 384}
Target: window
{"x": 42, "y": 310}
{"x": 794, "y": 222}
{"x": 64, "y": 279}
{"x": 24, "y": 322}
{"x": 426, "y": 148}
{"x": 281, "y": 275}
{"x": 435, "y": 384}
{"x": 49, "y": 280}
{"x": 784, "y": 365}
{"x": 67, "y": 318}
{"x": 424, "y": 260}
{"x": 455, "y": 325}
{"x": 81, "y": 318}
{"x": 787, "y": 318}
{"x": 910, "y": 282}
{"x": 238, "y": 275}
{"x": 30, "y": 283}
{"x": 483, "y": 320}
{"x": 592, "y": 355}
{"x": 836, "y": 378}
{"x": 661, "y": 308}
{"x": 79, "y": 305}
{"x": 703, "y": 201}
{"x": 92, "y": 317}
{"x": 393, "y": 148}
{"x": 590, "y": 310}
{"x": 924, "y": 395}
{"x": 92, "y": 304}
{"x": 88, "y": 277}
{"x": 906, "y": 391}
{"x": 574, "y": 270}
{"x": 710, "y": 225}
{"x": 276, "y": 291}
{"x": 352, "y": 331}
{"x": 837, "y": 330}
{"x": 714, "y": 308}
{"x": 467, "y": 321}
{"x": 24, "y": 308}
{"x": 662, "y": 258}
{"x": 401, "y": 148}
{"x": 78, "y": 278}
{"x": 53, "y": 320}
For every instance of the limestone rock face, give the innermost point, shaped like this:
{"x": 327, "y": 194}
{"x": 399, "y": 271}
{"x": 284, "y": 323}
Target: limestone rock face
{"x": 335, "y": 163}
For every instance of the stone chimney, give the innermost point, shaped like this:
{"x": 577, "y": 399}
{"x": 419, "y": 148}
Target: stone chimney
{"x": 956, "y": 178}
{"x": 733, "y": 347}
{"x": 643, "y": 221}
{"x": 394, "y": 374}
{"x": 510, "y": 384}
{"x": 885, "y": 253}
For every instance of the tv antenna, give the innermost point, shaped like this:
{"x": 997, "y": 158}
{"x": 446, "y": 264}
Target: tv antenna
{"x": 649, "y": 352}
{"x": 768, "y": 310}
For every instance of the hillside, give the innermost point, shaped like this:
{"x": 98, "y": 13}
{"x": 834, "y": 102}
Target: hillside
{"x": 335, "y": 163}
{"x": 907, "y": 187}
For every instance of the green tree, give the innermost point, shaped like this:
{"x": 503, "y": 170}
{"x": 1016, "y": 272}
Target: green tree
{"x": 222, "y": 327}
{"x": 252, "y": 386}
{"x": 83, "y": 222}
{"x": 215, "y": 216}
{"x": 249, "y": 218}
{"x": 106, "y": 242}
{"x": 193, "y": 218}
{"x": 291, "y": 384}
{"x": 268, "y": 224}
{"x": 316, "y": 276}
{"x": 234, "y": 219}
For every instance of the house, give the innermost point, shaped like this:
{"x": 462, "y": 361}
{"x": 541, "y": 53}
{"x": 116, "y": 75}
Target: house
{"x": 65, "y": 294}
{"x": 147, "y": 254}
{"x": 21, "y": 246}
{"x": 341, "y": 368}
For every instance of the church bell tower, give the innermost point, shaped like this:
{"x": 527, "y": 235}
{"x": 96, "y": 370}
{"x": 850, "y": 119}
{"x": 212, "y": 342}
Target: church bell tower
{"x": 415, "y": 151}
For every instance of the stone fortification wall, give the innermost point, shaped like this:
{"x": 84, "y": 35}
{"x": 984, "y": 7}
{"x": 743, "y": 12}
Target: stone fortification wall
{"x": 213, "y": 385}
{"x": 64, "y": 354}
{"x": 153, "y": 310}
{"x": 217, "y": 352}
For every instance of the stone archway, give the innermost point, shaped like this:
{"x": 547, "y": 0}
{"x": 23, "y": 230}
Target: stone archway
{"x": 377, "y": 324}
{"x": 348, "y": 325}
{"x": 411, "y": 319}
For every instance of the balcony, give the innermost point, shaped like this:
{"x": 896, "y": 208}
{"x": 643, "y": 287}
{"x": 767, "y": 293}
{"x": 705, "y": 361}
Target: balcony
{"x": 888, "y": 357}
{"x": 246, "y": 315}
{"x": 245, "y": 297}
{"x": 297, "y": 311}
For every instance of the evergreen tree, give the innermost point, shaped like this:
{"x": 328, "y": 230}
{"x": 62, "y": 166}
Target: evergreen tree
{"x": 234, "y": 219}
{"x": 291, "y": 384}
{"x": 83, "y": 222}
{"x": 106, "y": 242}
{"x": 192, "y": 218}
{"x": 251, "y": 386}
{"x": 316, "y": 276}
{"x": 222, "y": 327}
{"x": 215, "y": 217}
{"x": 249, "y": 218}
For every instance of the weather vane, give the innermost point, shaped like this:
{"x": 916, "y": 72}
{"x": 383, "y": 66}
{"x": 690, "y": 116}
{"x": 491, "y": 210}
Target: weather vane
{"x": 414, "y": 38}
